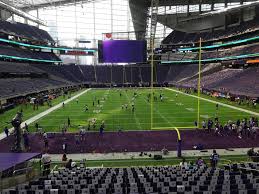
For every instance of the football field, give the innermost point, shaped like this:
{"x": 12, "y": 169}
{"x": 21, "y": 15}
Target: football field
{"x": 115, "y": 107}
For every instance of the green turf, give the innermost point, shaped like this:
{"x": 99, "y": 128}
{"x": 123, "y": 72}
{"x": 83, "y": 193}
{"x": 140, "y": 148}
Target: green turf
{"x": 174, "y": 111}
{"x": 28, "y": 111}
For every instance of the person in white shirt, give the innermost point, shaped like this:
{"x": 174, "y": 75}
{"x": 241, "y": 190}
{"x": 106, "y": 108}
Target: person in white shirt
{"x": 46, "y": 160}
{"x": 82, "y": 133}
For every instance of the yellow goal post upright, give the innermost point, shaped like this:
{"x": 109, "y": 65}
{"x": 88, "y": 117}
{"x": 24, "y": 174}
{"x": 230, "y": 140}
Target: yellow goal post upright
{"x": 153, "y": 24}
{"x": 152, "y": 85}
{"x": 154, "y": 12}
{"x": 177, "y": 129}
{"x": 198, "y": 92}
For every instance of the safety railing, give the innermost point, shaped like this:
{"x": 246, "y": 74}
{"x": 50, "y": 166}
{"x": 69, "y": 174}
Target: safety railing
{"x": 18, "y": 174}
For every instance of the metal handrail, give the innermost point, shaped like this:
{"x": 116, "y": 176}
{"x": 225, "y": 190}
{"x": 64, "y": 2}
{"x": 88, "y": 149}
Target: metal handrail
{"x": 54, "y": 169}
{"x": 248, "y": 169}
{"x": 10, "y": 180}
{"x": 22, "y": 169}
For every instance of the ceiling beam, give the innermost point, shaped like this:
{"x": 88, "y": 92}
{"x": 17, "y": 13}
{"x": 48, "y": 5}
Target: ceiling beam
{"x": 196, "y": 2}
{"x": 139, "y": 13}
{"x": 55, "y": 3}
{"x": 147, "y": 2}
{"x": 171, "y": 20}
{"x": 20, "y": 13}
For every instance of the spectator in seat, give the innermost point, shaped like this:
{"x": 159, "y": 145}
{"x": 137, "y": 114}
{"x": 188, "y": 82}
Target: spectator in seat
{"x": 200, "y": 162}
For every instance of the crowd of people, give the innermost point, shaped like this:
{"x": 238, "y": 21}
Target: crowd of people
{"x": 222, "y": 93}
{"x": 40, "y": 99}
{"x": 242, "y": 128}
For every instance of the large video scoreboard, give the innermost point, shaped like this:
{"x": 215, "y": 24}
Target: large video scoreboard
{"x": 122, "y": 51}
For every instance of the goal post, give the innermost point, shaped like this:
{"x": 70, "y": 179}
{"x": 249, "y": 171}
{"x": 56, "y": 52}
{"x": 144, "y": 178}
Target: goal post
{"x": 153, "y": 124}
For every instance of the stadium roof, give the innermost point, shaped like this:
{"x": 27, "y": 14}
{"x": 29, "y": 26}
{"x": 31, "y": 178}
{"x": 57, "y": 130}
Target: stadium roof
{"x": 28, "y": 3}
{"x": 32, "y": 4}
{"x": 139, "y": 9}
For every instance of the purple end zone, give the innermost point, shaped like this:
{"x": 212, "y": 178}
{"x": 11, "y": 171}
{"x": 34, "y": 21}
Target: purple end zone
{"x": 132, "y": 141}
{"x": 8, "y": 160}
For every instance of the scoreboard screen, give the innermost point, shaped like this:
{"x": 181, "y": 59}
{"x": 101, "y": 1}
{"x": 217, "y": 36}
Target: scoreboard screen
{"x": 122, "y": 51}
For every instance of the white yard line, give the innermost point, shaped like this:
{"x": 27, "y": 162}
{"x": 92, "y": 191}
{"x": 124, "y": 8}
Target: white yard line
{"x": 162, "y": 116}
{"x": 215, "y": 102}
{"x": 46, "y": 112}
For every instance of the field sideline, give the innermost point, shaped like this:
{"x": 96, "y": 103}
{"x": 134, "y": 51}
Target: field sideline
{"x": 176, "y": 110}
{"x": 28, "y": 111}
{"x": 216, "y": 102}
